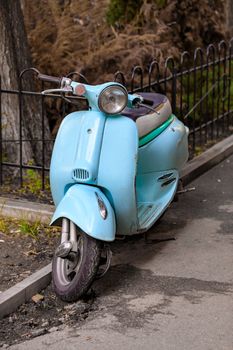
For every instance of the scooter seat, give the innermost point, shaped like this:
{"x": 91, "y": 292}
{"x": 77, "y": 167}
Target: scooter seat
{"x": 145, "y": 118}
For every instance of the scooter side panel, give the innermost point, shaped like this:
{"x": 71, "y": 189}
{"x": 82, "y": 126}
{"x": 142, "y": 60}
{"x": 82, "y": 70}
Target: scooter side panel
{"x": 167, "y": 151}
{"x": 117, "y": 171}
{"x": 76, "y": 152}
{"x": 158, "y": 172}
{"x": 154, "y": 194}
{"x": 81, "y": 206}
{"x": 154, "y": 186}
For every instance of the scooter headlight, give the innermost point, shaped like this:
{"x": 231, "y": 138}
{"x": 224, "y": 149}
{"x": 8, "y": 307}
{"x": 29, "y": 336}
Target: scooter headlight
{"x": 113, "y": 99}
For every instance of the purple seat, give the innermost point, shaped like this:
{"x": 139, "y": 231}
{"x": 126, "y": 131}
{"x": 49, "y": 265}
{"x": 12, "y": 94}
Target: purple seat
{"x": 135, "y": 113}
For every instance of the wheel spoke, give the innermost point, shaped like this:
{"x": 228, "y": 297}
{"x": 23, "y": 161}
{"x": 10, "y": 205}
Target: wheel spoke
{"x": 71, "y": 275}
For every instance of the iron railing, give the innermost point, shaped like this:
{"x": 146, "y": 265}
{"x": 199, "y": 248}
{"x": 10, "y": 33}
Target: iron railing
{"x": 199, "y": 86}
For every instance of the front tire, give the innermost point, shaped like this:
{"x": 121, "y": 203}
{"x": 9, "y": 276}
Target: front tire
{"x": 73, "y": 275}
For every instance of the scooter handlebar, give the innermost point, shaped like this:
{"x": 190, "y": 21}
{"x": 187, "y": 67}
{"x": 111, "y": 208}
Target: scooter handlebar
{"x": 49, "y": 78}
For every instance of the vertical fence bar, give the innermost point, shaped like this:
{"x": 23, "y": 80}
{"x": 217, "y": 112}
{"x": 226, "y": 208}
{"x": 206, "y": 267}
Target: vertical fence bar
{"x": 199, "y": 52}
{"x": 165, "y": 79}
{"x": 211, "y": 53}
{"x": 43, "y": 138}
{"x": 172, "y": 77}
{"x": 169, "y": 60}
{"x": 194, "y": 101}
{"x": 223, "y": 48}
{"x": 182, "y": 65}
{"x": 206, "y": 116}
{"x": 174, "y": 89}
{"x": 155, "y": 83}
{"x": 229, "y": 105}
{"x": 1, "y": 155}
{"x": 136, "y": 70}
{"x": 201, "y": 97}
{"x": 187, "y": 90}
{"x": 181, "y": 89}
{"x": 218, "y": 89}
{"x": 20, "y": 130}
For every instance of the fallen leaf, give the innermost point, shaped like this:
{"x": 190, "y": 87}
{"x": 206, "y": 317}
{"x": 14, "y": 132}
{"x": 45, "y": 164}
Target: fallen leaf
{"x": 30, "y": 252}
{"x": 37, "y": 298}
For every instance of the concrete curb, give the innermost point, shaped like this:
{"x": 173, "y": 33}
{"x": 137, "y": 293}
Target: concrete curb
{"x": 207, "y": 160}
{"x": 22, "y": 209}
{"x": 23, "y": 291}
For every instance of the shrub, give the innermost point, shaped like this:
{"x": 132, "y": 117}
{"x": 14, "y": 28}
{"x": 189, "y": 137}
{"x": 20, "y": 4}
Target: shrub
{"x": 122, "y": 11}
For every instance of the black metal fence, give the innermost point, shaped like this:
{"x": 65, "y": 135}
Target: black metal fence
{"x": 199, "y": 86}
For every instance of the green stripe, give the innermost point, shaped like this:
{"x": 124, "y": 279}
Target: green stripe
{"x": 147, "y": 138}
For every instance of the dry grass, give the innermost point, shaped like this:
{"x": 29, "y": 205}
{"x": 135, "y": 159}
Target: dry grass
{"x": 74, "y": 35}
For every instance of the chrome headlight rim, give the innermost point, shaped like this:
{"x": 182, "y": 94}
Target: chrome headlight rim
{"x": 109, "y": 87}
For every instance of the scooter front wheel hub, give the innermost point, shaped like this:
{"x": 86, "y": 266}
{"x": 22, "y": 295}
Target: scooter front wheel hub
{"x": 63, "y": 249}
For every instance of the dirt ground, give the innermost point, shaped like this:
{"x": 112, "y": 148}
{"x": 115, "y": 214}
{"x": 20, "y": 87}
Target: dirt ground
{"x": 23, "y": 250}
{"x": 34, "y": 319}
{"x": 50, "y": 314}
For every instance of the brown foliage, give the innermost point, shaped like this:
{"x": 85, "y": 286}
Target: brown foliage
{"x": 67, "y": 35}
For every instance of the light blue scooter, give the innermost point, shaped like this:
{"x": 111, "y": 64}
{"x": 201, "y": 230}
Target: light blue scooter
{"x": 114, "y": 171}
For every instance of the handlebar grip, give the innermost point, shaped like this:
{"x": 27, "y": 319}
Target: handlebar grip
{"x": 49, "y": 78}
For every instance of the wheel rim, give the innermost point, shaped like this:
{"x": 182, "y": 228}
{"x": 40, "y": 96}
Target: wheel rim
{"x": 68, "y": 268}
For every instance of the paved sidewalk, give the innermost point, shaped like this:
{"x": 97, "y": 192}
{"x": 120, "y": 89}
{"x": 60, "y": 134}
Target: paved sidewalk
{"x": 176, "y": 294}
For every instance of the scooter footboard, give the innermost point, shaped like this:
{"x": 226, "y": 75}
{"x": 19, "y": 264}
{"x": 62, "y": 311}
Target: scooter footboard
{"x": 90, "y": 210}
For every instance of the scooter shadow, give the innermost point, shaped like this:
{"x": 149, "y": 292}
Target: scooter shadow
{"x": 136, "y": 253}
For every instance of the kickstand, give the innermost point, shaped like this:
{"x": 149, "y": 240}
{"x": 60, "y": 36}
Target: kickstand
{"x": 157, "y": 240}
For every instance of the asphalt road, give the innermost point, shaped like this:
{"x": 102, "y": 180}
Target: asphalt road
{"x": 176, "y": 294}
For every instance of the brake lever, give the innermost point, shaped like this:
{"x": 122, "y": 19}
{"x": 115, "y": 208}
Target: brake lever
{"x": 65, "y": 89}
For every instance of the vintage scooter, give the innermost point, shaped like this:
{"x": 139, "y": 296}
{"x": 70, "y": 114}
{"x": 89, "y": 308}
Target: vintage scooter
{"x": 114, "y": 171}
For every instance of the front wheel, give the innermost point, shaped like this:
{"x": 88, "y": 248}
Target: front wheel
{"x": 73, "y": 274}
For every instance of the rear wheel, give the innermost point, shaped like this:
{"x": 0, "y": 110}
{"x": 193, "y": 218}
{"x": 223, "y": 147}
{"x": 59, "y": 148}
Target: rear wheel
{"x": 74, "y": 272}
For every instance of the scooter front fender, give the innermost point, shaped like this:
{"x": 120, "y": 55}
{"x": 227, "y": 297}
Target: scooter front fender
{"x": 80, "y": 205}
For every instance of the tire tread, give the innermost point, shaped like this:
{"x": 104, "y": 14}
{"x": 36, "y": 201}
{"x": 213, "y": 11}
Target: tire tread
{"x": 86, "y": 275}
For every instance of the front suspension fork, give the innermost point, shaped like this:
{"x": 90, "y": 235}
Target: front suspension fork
{"x": 69, "y": 240}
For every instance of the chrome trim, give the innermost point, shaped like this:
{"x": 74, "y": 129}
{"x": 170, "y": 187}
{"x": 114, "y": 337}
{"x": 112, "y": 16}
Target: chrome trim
{"x": 168, "y": 182}
{"x": 120, "y": 87}
{"x": 102, "y": 207}
{"x": 65, "y": 230}
{"x": 165, "y": 176}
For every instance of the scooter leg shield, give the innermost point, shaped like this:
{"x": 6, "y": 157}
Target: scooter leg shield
{"x": 90, "y": 210}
